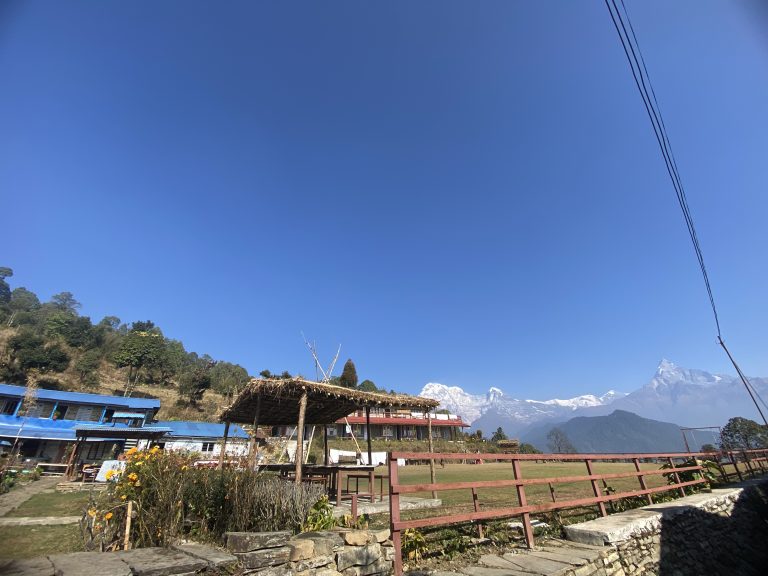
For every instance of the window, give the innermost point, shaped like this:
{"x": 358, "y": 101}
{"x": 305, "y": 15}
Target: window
{"x": 61, "y": 412}
{"x": 8, "y": 406}
{"x": 42, "y": 410}
{"x": 87, "y": 413}
{"x": 208, "y": 446}
{"x": 387, "y": 430}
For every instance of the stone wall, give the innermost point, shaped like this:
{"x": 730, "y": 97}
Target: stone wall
{"x": 327, "y": 553}
{"x": 723, "y": 532}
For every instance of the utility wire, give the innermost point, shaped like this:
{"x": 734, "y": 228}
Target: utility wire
{"x": 642, "y": 79}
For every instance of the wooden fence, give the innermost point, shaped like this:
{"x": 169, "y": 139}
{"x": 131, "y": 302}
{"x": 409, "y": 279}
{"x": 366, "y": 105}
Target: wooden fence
{"x": 730, "y": 466}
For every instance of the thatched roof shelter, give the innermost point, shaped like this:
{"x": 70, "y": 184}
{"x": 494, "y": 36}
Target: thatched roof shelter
{"x": 326, "y": 403}
{"x": 298, "y": 401}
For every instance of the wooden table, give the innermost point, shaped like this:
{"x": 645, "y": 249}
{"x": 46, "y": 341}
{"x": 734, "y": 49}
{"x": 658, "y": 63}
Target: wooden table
{"x": 335, "y": 474}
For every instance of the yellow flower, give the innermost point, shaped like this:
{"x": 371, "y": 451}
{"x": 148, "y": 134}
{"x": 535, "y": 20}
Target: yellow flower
{"x": 184, "y": 467}
{"x": 108, "y": 516}
{"x": 132, "y": 451}
{"x": 132, "y": 477}
{"x": 122, "y": 497}
{"x": 155, "y": 450}
{"x": 139, "y": 463}
{"x": 110, "y": 474}
{"x": 92, "y": 512}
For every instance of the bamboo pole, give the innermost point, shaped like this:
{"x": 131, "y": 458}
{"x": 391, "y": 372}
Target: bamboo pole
{"x": 128, "y": 514}
{"x": 300, "y": 436}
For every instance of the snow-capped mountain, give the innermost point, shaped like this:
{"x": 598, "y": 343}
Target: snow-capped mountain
{"x": 688, "y": 397}
{"x": 515, "y": 413}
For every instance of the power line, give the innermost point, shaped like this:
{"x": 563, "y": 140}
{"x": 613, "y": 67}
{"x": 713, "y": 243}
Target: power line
{"x": 642, "y": 79}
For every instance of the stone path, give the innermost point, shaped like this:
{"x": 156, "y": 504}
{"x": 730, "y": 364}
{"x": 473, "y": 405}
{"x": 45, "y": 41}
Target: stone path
{"x": 17, "y": 496}
{"x": 183, "y": 559}
{"x": 39, "y": 520}
{"x": 551, "y": 558}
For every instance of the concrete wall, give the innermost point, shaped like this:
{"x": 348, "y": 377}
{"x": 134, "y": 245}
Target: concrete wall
{"x": 722, "y": 532}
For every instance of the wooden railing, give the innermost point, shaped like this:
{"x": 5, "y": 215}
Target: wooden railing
{"x": 743, "y": 463}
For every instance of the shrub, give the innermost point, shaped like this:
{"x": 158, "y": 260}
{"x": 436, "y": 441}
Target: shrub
{"x": 172, "y": 499}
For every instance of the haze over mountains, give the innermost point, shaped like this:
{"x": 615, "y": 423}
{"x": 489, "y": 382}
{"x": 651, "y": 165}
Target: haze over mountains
{"x": 687, "y": 397}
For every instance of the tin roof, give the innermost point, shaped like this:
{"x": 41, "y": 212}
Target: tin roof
{"x": 83, "y": 397}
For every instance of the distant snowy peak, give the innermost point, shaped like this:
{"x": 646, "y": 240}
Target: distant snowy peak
{"x": 669, "y": 375}
{"x": 472, "y": 406}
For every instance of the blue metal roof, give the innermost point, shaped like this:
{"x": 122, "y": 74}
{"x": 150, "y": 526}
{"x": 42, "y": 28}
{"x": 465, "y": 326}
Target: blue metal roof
{"x": 38, "y": 428}
{"x": 182, "y": 429}
{"x": 83, "y": 397}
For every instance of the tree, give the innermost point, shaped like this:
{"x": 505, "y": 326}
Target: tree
{"x": 195, "y": 381}
{"x": 87, "y": 365}
{"x": 65, "y": 301}
{"x": 137, "y": 351}
{"x": 266, "y": 374}
{"x": 526, "y": 448}
{"x": 111, "y": 323}
{"x": 23, "y": 300}
{"x": 743, "y": 434}
{"x": 367, "y": 386}
{"x": 498, "y": 435}
{"x": 348, "y": 378}
{"x": 227, "y": 378}
{"x": 479, "y": 434}
{"x": 708, "y": 448}
{"x": 559, "y": 442}
{"x": 29, "y": 351}
{"x": 5, "y": 289}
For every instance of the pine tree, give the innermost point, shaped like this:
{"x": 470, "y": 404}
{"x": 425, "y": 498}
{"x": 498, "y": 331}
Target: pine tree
{"x": 348, "y": 377}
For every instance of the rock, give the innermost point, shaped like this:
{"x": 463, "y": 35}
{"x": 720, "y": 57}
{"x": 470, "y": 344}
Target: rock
{"x": 301, "y": 549}
{"x": 214, "y": 557}
{"x": 381, "y": 566}
{"x": 311, "y": 563}
{"x": 327, "y": 572}
{"x": 326, "y": 542}
{"x": 156, "y": 562}
{"x": 356, "y": 538}
{"x": 238, "y": 542}
{"x": 265, "y": 557}
{"x": 88, "y": 563}
{"x": 273, "y": 571}
{"x": 27, "y": 567}
{"x": 382, "y": 536}
{"x": 358, "y": 556}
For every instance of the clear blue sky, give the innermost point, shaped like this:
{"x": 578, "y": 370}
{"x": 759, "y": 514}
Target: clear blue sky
{"x": 461, "y": 192}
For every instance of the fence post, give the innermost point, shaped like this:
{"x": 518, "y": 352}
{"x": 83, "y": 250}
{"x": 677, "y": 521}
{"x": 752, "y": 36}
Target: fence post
{"x": 735, "y": 465}
{"x": 527, "y": 528}
{"x": 642, "y": 480}
{"x": 394, "y": 514}
{"x": 595, "y": 488}
{"x": 748, "y": 463}
{"x": 476, "y": 506}
{"x": 677, "y": 476}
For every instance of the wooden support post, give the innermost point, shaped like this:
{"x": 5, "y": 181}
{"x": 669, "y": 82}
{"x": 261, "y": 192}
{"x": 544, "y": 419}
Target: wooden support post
{"x": 523, "y": 501}
{"x": 300, "y": 436}
{"x": 254, "y": 439}
{"x": 596, "y": 489}
{"x": 642, "y": 480}
{"x": 394, "y": 514}
{"x": 432, "y": 477}
{"x": 326, "y": 449}
{"x": 224, "y": 445}
{"x": 73, "y": 459}
{"x": 368, "y": 434}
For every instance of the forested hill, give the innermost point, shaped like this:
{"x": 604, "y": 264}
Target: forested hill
{"x": 51, "y": 344}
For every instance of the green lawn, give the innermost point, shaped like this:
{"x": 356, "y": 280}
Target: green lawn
{"x": 31, "y": 541}
{"x": 52, "y": 504}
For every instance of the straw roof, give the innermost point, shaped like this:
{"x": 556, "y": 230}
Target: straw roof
{"x": 326, "y": 403}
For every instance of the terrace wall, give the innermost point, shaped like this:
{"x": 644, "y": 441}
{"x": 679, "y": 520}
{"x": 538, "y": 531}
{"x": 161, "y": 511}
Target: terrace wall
{"x": 722, "y": 532}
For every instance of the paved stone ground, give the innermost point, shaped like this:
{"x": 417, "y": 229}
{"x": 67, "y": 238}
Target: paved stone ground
{"x": 551, "y": 558}
{"x": 365, "y": 506}
{"x": 185, "y": 559}
{"x": 39, "y": 520}
{"x": 17, "y": 496}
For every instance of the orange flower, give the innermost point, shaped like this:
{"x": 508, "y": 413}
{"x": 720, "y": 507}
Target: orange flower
{"x": 108, "y": 516}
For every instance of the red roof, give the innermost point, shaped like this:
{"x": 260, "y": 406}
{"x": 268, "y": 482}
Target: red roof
{"x": 407, "y": 421}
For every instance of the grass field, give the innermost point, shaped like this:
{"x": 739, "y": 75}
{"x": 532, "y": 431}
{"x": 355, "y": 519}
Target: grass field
{"x": 52, "y": 504}
{"x": 30, "y": 541}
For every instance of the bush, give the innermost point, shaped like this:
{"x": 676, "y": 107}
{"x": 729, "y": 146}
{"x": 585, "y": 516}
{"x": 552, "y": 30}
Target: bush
{"x": 173, "y": 499}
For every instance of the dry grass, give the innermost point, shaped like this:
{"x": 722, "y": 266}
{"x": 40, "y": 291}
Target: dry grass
{"x": 52, "y": 504}
{"x": 30, "y": 541}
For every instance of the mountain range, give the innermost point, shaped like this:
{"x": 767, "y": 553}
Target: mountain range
{"x": 687, "y": 397}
